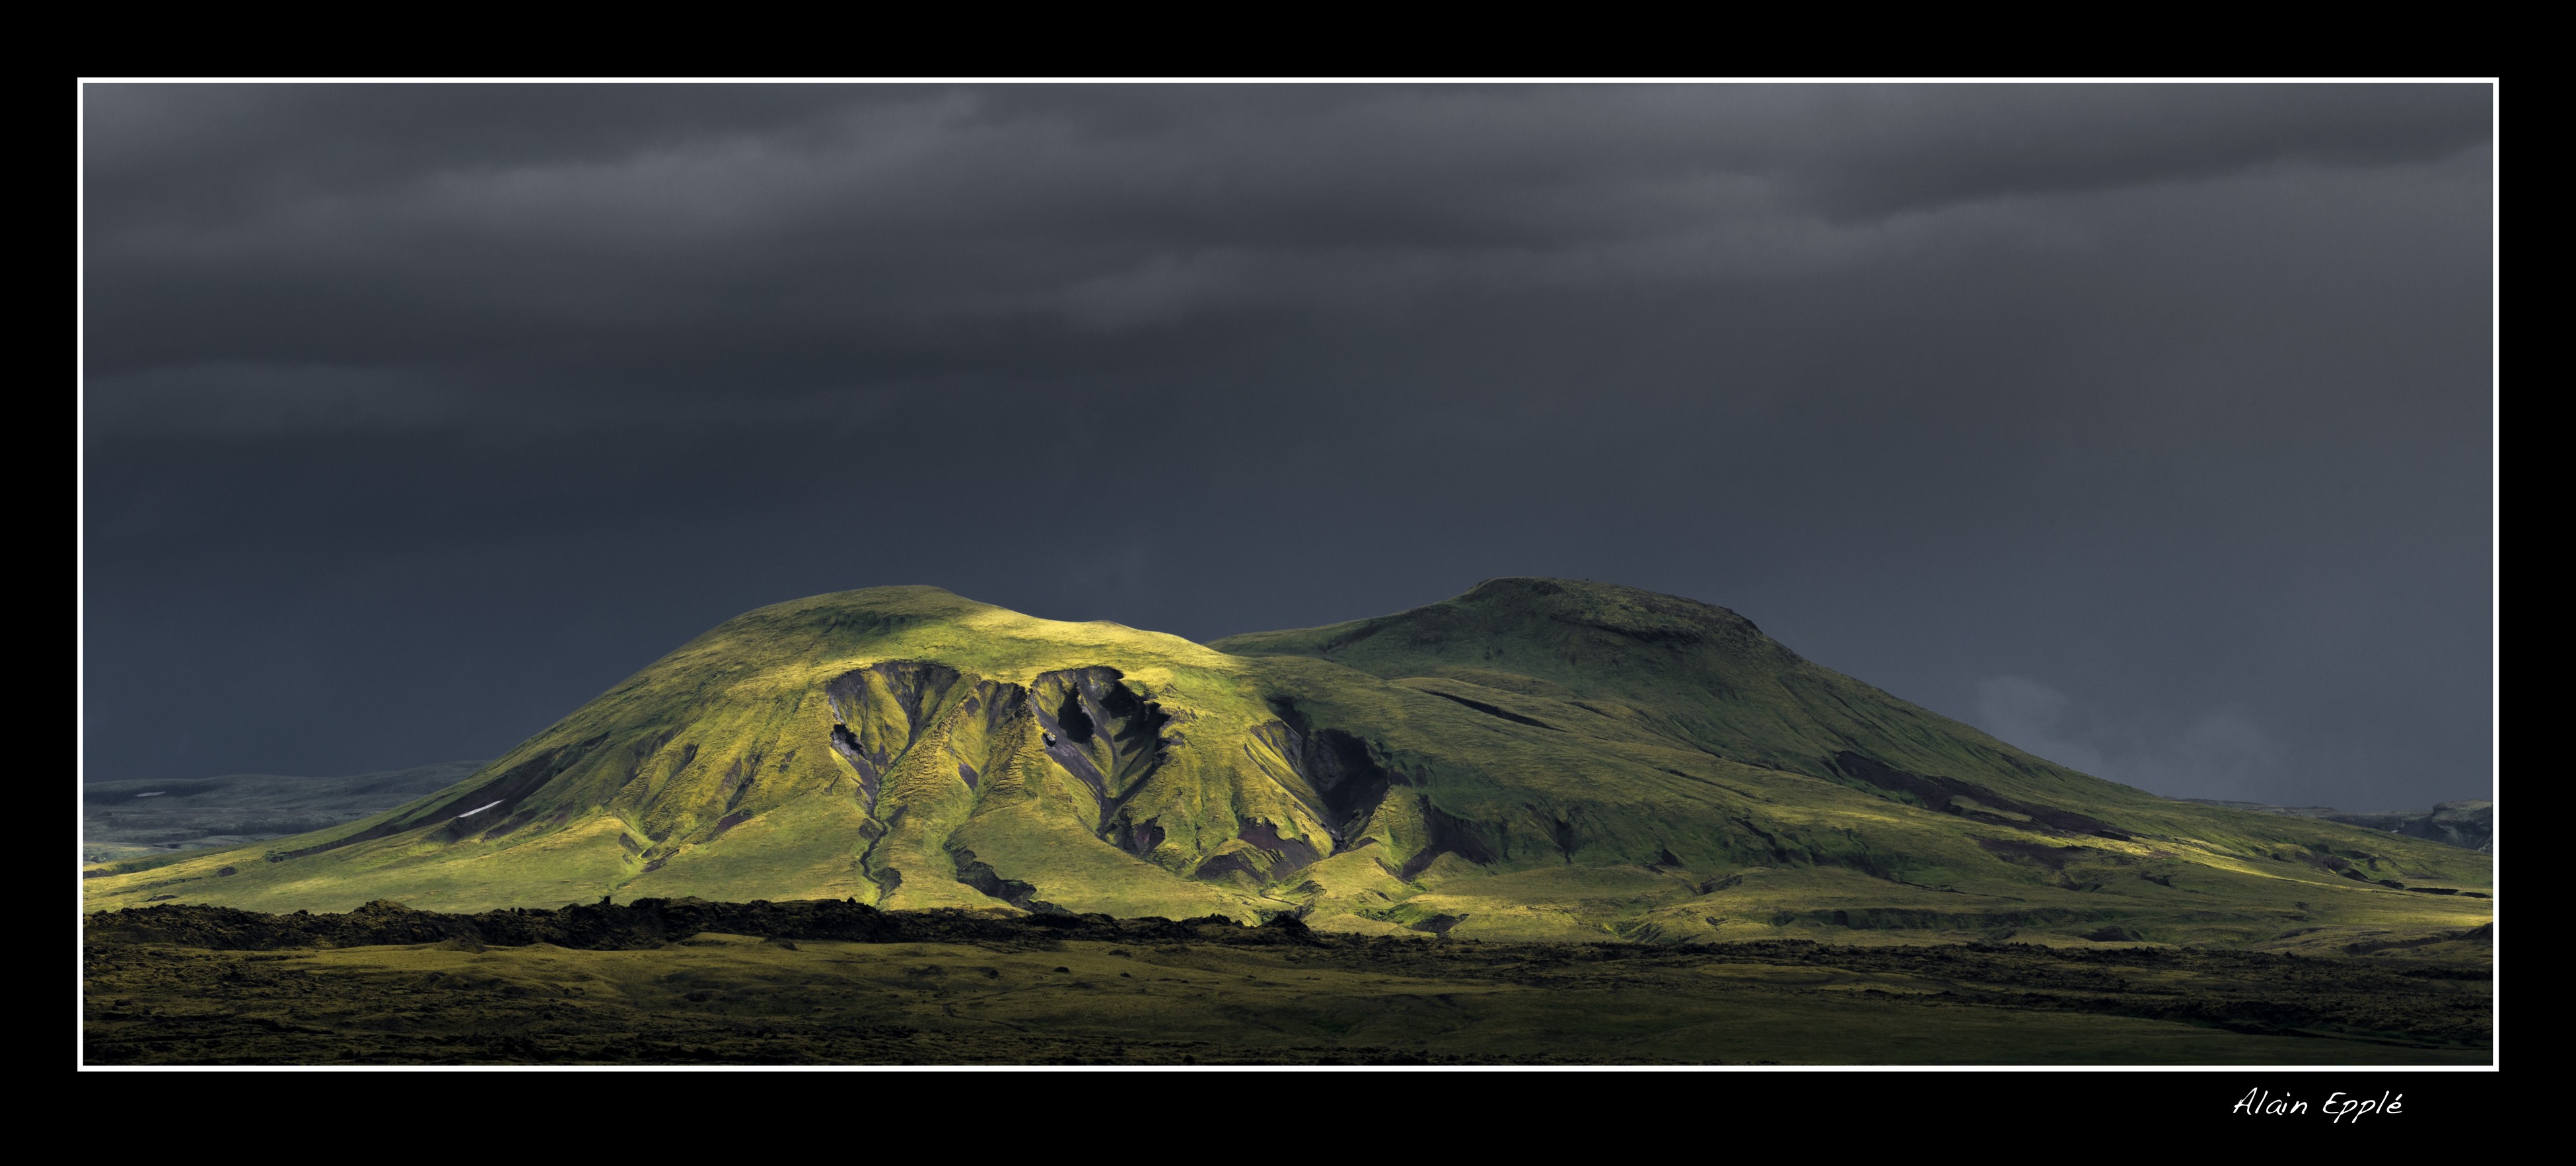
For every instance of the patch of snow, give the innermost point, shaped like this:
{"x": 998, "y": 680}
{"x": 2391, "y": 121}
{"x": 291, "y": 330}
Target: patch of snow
{"x": 479, "y": 809}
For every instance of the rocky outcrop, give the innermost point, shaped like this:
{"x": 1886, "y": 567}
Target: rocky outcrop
{"x": 650, "y": 923}
{"x": 2469, "y": 825}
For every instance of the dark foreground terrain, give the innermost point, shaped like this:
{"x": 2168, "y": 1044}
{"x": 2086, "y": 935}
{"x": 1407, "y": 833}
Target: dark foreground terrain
{"x": 691, "y": 982}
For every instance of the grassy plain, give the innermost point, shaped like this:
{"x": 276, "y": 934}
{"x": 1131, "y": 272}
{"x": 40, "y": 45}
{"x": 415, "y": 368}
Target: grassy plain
{"x": 987, "y": 989}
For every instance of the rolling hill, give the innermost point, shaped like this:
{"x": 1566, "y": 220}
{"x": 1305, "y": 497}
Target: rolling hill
{"x": 1536, "y": 758}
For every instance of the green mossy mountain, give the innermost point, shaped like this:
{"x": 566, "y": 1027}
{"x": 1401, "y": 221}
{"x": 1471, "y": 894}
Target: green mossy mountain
{"x": 1532, "y": 759}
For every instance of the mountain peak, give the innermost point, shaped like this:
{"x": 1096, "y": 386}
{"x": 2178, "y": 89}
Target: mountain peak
{"x": 1575, "y": 632}
{"x": 1629, "y": 610}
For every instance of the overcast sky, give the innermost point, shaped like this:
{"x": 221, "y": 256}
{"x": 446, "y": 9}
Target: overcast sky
{"x": 2148, "y": 427}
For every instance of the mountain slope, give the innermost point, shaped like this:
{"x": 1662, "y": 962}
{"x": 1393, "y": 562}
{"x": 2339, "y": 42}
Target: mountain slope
{"x": 1535, "y": 758}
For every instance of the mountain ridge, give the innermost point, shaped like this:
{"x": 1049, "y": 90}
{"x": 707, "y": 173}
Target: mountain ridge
{"x": 1532, "y": 758}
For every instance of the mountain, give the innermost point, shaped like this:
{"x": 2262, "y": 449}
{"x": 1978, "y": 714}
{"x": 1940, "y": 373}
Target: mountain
{"x": 121, "y": 819}
{"x": 1533, "y": 759}
{"x": 2469, "y": 825}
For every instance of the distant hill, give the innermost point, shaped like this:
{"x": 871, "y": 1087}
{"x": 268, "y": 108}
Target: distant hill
{"x": 1535, "y": 758}
{"x": 2468, "y": 825}
{"x": 121, "y": 819}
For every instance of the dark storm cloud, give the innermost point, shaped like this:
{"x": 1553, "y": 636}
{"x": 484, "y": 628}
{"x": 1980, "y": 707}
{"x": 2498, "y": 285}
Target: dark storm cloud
{"x": 523, "y": 227}
{"x": 2130, "y": 418}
